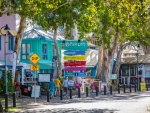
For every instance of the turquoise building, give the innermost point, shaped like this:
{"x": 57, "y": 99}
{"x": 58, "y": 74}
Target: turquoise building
{"x": 40, "y": 42}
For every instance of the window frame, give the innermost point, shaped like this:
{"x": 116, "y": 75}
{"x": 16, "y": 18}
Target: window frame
{"x": 45, "y": 54}
{"x": 26, "y": 51}
{"x": 10, "y": 42}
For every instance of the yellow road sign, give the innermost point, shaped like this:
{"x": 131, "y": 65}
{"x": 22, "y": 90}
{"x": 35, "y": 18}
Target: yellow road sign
{"x": 74, "y": 58}
{"x": 34, "y": 58}
{"x": 34, "y": 67}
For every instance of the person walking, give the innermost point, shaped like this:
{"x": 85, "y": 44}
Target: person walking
{"x": 52, "y": 86}
{"x": 58, "y": 84}
{"x": 65, "y": 85}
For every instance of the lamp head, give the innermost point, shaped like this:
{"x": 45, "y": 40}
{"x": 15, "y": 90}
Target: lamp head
{"x": 6, "y": 27}
{"x": 138, "y": 46}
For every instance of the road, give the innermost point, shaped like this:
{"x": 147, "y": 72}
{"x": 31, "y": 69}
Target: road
{"x": 118, "y": 103}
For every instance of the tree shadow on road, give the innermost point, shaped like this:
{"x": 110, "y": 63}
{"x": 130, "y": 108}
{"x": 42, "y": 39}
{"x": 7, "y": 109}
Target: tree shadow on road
{"x": 72, "y": 110}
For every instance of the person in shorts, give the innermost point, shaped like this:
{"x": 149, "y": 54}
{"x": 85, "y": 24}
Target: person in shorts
{"x": 58, "y": 84}
{"x": 65, "y": 85}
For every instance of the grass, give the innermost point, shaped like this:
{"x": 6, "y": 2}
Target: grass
{"x": 11, "y": 109}
{"x": 9, "y": 99}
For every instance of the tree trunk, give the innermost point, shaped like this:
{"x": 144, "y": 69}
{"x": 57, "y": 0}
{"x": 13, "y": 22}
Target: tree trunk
{"x": 57, "y": 53}
{"x": 108, "y": 59}
{"x": 146, "y": 49}
{"x": 19, "y": 35}
{"x": 118, "y": 62}
{"x": 100, "y": 61}
{"x": 118, "y": 59}
{"x": 19, "y": 38}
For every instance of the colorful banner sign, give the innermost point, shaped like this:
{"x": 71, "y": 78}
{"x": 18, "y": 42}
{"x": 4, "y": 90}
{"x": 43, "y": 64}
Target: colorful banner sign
{"x": 75, "y": 63}
{"x": 74, "y": 58}
{"x": 74, "y": 68}
{"x": 79, "y": 74}
{"x": 74, "y": 52}
{"x": 75, "y": 45}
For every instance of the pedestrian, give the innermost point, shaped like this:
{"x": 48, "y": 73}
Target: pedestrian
{"x": 52, "y": 86}
{"x": 58, "y": 84}
{"x": 65, "y": 85}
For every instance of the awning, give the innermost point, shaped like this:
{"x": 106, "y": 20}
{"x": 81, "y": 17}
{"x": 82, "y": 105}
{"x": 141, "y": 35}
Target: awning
{"x": 2, "y": 32}
{"x": 12, "y": 32}
{"x": 10, "y": 67}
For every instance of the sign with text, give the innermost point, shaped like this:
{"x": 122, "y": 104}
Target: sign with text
{"x": 78, "y": 74}
{"x": 74, "y": 52}
{"x": 43, "y": 77}
{"x": 75, "y": 45}
{"x": 75, "y": 63}
{"x": 113, "y": 76}
{"x": 34, "y": 58}
{"x": 34, "y": 67}
{"x": 74, "y": 68}
{"x": 74, "y": 58}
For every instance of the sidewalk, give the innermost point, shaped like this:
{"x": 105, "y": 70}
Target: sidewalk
{"x": 27, "y": 103}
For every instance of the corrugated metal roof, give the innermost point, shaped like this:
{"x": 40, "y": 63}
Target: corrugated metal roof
{"x": 37, "y": 33}
{"x": 133, "y": 60}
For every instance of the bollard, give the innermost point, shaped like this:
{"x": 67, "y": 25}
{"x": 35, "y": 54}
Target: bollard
{"x": 48, "y": 98}
{"x": 104, "y": 90}
{"x": 70, "y": 93}
{"x": 79, "y": 93}
{"x": 130, "y": 88}
{"x": 146, "y": 86}
{"x": 118, "y": 89}
{"x": 14, "y": 99}
{"x": 61, "y": 94}
{"x": 96, "y": 90}
{"x": 87, "y": 92}
{"x": 124, "y": 87}
{"x": 135, "y": 87}
{"x": 6, "y": 102}
{"x": 111, "y": 90}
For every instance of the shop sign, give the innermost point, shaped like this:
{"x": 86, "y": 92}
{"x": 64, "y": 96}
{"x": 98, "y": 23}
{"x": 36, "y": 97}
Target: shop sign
{"x": 74, "y": 52}
{"x": 143, "y": 86}
{"x": 34, "y": 58}
{"x": 44, "y": 77}
{"x": 74, "y": 58}
{"x": 113, "y": 76}
{"x": 34, "y": 67}
{"x": 75, "y": 63}
{"x": 70, "y": 83}
{"x": 74, "y": 68}
{"x": 75, "y": 45}
{"x": 79, "y": 74}
{"x": 102, "y": 86}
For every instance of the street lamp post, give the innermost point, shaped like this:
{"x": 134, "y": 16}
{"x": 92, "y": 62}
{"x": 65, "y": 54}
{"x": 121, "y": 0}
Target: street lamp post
{"x": 6, "y": 28}
{"x": 138, "y": 46}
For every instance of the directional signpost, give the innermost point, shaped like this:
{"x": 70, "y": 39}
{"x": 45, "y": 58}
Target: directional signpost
{"x": 75, "y": 58}
{"x": 34, "y": 67}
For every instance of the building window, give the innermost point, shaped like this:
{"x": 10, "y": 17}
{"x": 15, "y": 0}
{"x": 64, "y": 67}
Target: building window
{"x": 25, "y": 51}
{"x": 0, "y": 43}
{"x": 44, "y": 51}
{"x": 11, "y": 43}
{"x": 54, "y": 50}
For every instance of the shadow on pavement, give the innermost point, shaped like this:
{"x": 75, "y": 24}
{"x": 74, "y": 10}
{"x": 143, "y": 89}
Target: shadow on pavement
{"x": 70, "y": 110}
